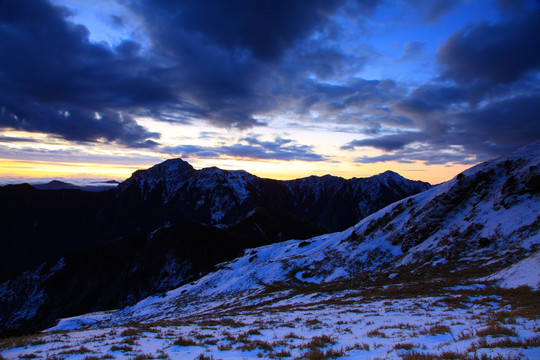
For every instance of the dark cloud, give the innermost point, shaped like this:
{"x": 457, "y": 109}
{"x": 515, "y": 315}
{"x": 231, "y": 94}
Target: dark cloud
{"x": 49, "y": 68}
{"x": 429, "y": 156}
{"x": 235, "y": 64}
{"x": 387, "y": 142}
{"x": 252, "y": 148}
{"x": 226, "y": 58}
{"x": 500, "y": 127}
{"x": 117, "y": 21}
{"x": 263, "y": 29}
{"x": 224, "y": 62}
{"x": 207, "y": 60}
{"x": 355, "y": 101}
{"x": 513, "y": 7}
{"x": 11, "y": 139}
{"x": 481, "y": 133}
{"x": 485, "y": 104}
{"x": 76, "y": 124}
{"x": 73, "y": 155}
{"x": 429, "y": 98}
{"x": 487, "y": 55}
{"x": 187, "y": 151}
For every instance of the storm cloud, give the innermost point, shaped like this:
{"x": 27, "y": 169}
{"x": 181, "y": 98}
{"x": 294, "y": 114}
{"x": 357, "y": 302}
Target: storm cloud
{"x": 55, "y": 81}
{"x": 207, "y": 60}
{"x": 488, "y": 55}
{"x": 242, "y": 64}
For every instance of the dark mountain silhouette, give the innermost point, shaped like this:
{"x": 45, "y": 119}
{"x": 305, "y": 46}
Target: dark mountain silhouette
{"x": 121, "y": 273}
{"x": 42, "y": 225}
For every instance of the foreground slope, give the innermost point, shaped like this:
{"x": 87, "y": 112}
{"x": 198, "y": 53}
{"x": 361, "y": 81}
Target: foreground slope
{"x": 426, "y": 277}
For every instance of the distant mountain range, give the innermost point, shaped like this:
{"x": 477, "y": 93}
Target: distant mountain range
{"x": 42, "y": 225}
{"x": 60, "y": 185}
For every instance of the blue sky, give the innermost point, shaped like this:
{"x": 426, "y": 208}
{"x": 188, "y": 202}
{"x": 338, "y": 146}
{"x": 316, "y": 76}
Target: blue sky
{"x": 282, "y": 89}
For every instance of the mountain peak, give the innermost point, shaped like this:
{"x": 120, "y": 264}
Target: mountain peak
{"x": 56, "y": 185}
{"x": 176, "y": 164}
{"x": 389, "y": 174}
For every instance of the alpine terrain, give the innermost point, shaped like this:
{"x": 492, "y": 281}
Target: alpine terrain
{"x": 44, "y": 225}
{"x": 450, "y": 273}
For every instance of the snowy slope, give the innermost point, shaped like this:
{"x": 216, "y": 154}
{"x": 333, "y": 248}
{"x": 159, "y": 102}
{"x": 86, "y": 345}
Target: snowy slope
{"x": 483, "y": 221}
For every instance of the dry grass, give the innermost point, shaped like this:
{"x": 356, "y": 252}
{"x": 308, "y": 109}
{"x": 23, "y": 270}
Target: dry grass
{"x": 280, "y": 354}
{"x": 131, "y": 332}
{"x": 319, "y": 342}
{"x": 453, "y": 355}
{"x": 358, "y": 346}
{"x": 376, "y": 333}
{"x": 437, "y": 330}
{"x": 182, "y": 341}
{"x": 464, "y": 335}
{"x": 130, "y": 341}
{"x": 143, "y": 357}
{"x": 292, "y": 335}
{"x": 204, "y": 357}
{"x": 80, "y": 350}
{"x": 404, "y": 346}
{"x": 317, "y": 354}
{"x": 506, "y": 343}
{"x": 256, "y": 344}
{"x": 496, "y": 331}
{"x": 123, "y": 348}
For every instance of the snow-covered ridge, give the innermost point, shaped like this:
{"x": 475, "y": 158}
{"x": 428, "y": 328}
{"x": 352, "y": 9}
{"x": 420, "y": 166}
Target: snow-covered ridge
{"x": 222, "y": 197}
{"x": 173, "y": 173}
{"x": 481, "y": 222}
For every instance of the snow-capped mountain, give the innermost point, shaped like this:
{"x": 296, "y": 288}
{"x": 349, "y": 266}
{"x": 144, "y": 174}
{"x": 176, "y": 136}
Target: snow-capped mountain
{"x": 476, "y": 225}
{"x": 175, "y": 191}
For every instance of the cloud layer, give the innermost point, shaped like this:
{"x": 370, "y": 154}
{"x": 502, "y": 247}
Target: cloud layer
{"x": 241, "y": 64}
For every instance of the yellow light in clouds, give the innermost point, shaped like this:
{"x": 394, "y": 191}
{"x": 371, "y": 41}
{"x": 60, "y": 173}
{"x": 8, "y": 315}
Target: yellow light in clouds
{"x": 12, "y": 168}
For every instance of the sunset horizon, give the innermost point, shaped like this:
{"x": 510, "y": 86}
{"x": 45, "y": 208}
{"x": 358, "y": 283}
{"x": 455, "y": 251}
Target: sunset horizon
{"x": 282, "y": 90}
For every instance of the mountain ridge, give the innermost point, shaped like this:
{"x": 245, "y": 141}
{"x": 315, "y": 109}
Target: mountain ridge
{"x": 236, "y": 192}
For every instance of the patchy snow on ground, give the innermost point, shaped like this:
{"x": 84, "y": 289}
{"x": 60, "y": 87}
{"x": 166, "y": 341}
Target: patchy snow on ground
{"x": 392, "y": 323}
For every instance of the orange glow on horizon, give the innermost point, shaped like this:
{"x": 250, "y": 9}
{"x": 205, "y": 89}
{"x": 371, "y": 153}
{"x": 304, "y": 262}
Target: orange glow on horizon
{"x": 273, "y": 169}
{"x": 38, "y": 169}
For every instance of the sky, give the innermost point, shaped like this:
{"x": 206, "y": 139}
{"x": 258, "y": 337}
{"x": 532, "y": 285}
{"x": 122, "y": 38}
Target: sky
{"x": 96, "y": 89}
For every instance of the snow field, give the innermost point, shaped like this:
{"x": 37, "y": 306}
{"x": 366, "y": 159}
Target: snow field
{"x": 391, "y": 323}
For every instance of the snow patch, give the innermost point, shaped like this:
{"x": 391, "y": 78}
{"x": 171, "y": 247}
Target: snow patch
{"x": 525, "y": 272}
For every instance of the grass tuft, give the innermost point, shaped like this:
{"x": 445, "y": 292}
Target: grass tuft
{"x": 182, "y": 341}
{"x": 496, "y": 331}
